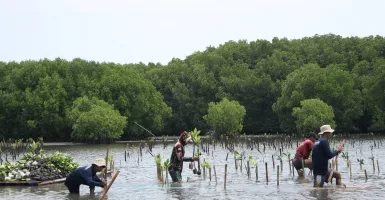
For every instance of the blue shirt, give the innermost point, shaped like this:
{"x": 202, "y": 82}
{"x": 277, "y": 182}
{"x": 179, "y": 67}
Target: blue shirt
{"x": 321, "y": 155}
{"x": 84, "y": 175}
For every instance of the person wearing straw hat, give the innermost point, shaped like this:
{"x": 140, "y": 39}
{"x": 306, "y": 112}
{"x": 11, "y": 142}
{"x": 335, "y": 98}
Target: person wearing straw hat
{"x": 177, "y": 157}
{"x": 86, "y": 175}
{"x": 301, "y": 159}
{"x": 321, "y": 155}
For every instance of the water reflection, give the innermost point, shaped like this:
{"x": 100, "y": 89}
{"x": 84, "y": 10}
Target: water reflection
{"x": 320, "y": 194}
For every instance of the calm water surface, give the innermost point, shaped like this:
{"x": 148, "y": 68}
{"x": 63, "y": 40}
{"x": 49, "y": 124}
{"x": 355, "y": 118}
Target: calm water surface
{"x": 139, "y": 181}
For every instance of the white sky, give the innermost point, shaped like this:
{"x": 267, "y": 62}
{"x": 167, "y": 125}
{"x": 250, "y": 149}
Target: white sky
{"x": 130, "y": 31}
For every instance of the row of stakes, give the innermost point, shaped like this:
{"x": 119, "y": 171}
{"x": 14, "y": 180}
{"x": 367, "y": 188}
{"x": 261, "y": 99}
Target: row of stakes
{"x": 279, "y": 167}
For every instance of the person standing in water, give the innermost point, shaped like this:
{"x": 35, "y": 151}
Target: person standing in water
{"x": 321, "y": 155}
{"x": 302, "y": 154}
{"x": 177, "y": 157}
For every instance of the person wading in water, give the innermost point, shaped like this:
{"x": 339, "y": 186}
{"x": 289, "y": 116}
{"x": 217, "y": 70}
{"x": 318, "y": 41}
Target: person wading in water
{"x": 86, "y": 176}
{"x": 177, "y": 157}
{"x": 321, "y": 155}
{"x": 302, "y": 154}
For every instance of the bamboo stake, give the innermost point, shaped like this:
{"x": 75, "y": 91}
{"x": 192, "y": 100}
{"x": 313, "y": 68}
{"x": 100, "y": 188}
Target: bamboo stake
{"x": 378, "y": 167}
{"x": 241, "y": 165}
{"x": 112, "y": 181}
{"x": 215, "y": 174}
{"x": 225, "y": 175}
{"x": 366, "y": 175}
{"x": 277, "y": 174}
{"x": 210, "y": 173}
{"x": 106, "y": 169}
{"x": 289, "y": 166}
{"x": 235, "y": 162}
{"x": 332, "y": 171}
{"x": 256, "y": 172}
{"x": 336, "y": 162}
{"x": 267, "y": 174}
{"x": 350, "y": 168}
{"x": 374, "y": 168}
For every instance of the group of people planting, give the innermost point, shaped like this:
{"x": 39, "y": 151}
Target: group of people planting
{"x": 319, "y": 148}
{"x": 321, "y": 154}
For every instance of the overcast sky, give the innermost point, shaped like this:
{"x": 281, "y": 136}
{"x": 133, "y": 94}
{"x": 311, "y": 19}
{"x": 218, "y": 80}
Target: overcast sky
{"x": 130, "y": 31}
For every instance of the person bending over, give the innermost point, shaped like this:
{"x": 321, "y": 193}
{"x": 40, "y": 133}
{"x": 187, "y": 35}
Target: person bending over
{"x": 321, "y": 155}
{"x": 302, "y": 154}
{"x": 86, "y": 175}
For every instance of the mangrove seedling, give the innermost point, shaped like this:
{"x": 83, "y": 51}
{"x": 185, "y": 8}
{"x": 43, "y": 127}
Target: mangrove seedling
{"x": 165, "y": 166}
{"x": 361, "y": 162}
{"x": 158, "y": 162}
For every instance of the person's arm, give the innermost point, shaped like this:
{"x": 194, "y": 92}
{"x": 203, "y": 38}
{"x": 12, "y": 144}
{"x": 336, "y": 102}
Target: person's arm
{"x": 87, "y": 176}
{"x": 97, "y": 179}
{"x": 190, "y": 159}
{"x": 327, "y": 152}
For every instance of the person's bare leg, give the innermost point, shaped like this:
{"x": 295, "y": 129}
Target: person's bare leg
{"x": 337, "y": 175}
{"x": 308, "y": 163}
{"x": 300, "y": 173}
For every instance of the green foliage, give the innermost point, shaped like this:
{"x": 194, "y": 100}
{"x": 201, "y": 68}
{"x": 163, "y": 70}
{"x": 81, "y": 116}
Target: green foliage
{"x": 166, "y": 164}
{"x": 35, "y": 165}
{"x": 195, "y": 136}
{"x": 269, "y": 78}
{"x": 158, "y": 160}
{"x": 331, "y": 85}
{"x": 225, "y": 117}
{"x": 94, "y": 119}
{"x": 312, "y": 114}
{"x": 205, "y": 164}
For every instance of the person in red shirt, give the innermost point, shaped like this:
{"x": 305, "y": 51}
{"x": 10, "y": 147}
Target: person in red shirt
{"x": 302, "y": 154}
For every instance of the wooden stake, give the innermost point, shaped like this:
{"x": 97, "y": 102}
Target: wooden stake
{"x": 235, "y": 163}
{"x": 366, "y": 175}
{"x": 210, "y": 173}
{"x": 215, "y": 174}
{"x": 289, "y": 166}
{"x": 106, "y": 168}
{"x": 277, "y": 174}
{"x": 374, "y": 168}
{"x": 336, "y": 162}
{"x": 256, "y": 172}
{"x": 272, "y": 158}
{"x": 225, "y": 174}
{"x": 267, "y": 174}
{"x": 378, "y": 167}
{"x": 248, "y": 169}
{"x": 112, "y": 181}
{"x": 350, "y": 168}
{"x": 241, "y": 165}
{"x": 331, "y": 172}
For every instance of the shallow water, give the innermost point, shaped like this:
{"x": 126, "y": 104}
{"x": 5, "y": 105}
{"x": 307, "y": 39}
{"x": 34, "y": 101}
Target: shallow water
{"x": 139, "y": 181}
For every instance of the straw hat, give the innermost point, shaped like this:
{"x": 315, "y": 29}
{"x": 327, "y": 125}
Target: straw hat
{"x": 325, "y": 128}
{"x": 101, "y": 162}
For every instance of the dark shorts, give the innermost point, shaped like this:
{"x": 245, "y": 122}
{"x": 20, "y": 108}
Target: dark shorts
{"x": 297, "y": 163}
{"x": 175, "y": 175}
{"x": 323, "y": 179}
{"x": 73, "y": 188}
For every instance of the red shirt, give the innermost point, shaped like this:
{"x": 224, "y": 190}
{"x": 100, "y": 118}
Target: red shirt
{"x": 304, "y": 149}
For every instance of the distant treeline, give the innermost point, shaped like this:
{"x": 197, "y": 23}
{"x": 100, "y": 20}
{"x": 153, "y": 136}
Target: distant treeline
{"x": 47, "y": 97}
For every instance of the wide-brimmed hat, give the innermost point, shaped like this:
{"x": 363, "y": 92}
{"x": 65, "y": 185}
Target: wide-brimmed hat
{"x": 101, "y": 162}
{"x": 326, "y": 128}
